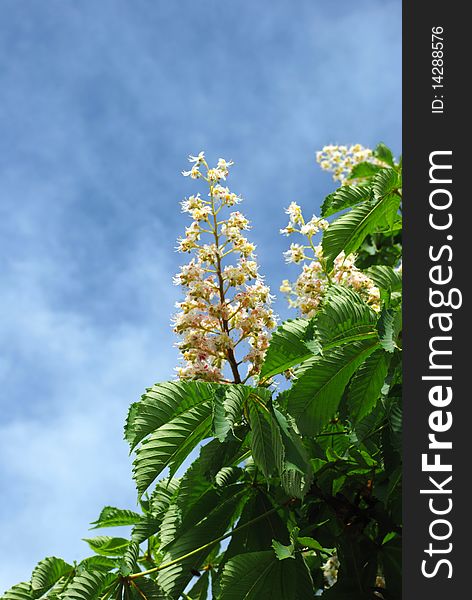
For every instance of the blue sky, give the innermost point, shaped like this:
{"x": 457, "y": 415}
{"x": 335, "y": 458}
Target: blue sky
{"x": 101, "y": 103}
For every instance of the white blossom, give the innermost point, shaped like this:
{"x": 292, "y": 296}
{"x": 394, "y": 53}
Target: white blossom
{"x": 330, "y": 570}
{"x": 226, "y": 308}
{"x": 340, "y": 160}
{"x": 307, "y": 292}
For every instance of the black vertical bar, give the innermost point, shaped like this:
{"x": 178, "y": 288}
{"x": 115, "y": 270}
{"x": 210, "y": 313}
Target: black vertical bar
{"x": 436, "y": 120}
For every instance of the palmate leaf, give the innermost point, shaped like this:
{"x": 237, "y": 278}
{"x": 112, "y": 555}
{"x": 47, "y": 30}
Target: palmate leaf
{"x": 349, "y": 231}
{"x": 115, "y": 517}
{"x": 47, "y": 573}
{"x": 314, "y": 398}
{"x": 266, "y": 440}
{"x": 262, "y": 576}
{"x": 207, "y": 521}
{"x": 344, "y": 317}
{"x": 287, "y": 347}
{"x": 345, "y": 197}
{"x": 366, "y": 385}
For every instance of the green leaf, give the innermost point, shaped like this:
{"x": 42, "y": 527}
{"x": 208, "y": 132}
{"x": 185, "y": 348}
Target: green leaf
{"x": 395, "y": 415}
{"x": 115, "y": 517}
{"x": 297, "y": 473}
{"x": 364, "y": 170}
{"x": 383, "y": 153}
{"x": 158, "y": 503}
{"x": 162, "y": 495}
{"x": 88, "y": 585}
{"x": 366, "y": 385}
{"x": 345, "y": 197}
{"x": 47, "y": 573}
{"x": 258, "y": 536}
{"x": 209, "y": 519}
{"x": 221, "y": 425}
{"x": 261, "y": 576}
{"x": 315, "y": 397}
{"x": 144, "y": 588}
{"x": 266, "y": 441}
{"x": 130, "y": 559}
{"x": 358, "y": 568}
{"x": 385, "y": 182}
{"x": 344, "y": 317}
{"x": 107, "y": 545}
{"x": 287, "y": 347}
{"x": 147, "y": 526}
{"x": 162, "y": 404}
{"x": 235, "y": 396}
{"x": 204, "y": 473}
{"x": 391, "y": 557}
{"x": 227, "y": 475}
{"x": 281, "y": 551}
{"x": 349, "y": 231}
{"x": 389, "y": 327}
{"x": 200, "y": 590}
{"x": 170, "y": 523}
{"x": 170, "y": 444}
{"x": 385, "y": 277}
{"x": 97, "y": 563}
{"x": 20, "y": 591}
{"x": 309, "y": 542}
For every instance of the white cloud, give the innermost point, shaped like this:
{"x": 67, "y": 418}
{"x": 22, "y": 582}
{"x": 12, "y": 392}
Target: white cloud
{"x": 62, "y": 452}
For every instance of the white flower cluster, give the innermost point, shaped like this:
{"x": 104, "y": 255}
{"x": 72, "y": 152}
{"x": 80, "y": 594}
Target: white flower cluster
{"x": 340, "y": 160}
{"x": 330, "y": 570}
{"x": 307, "y": 292}
{"x": 225, "y": 304}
